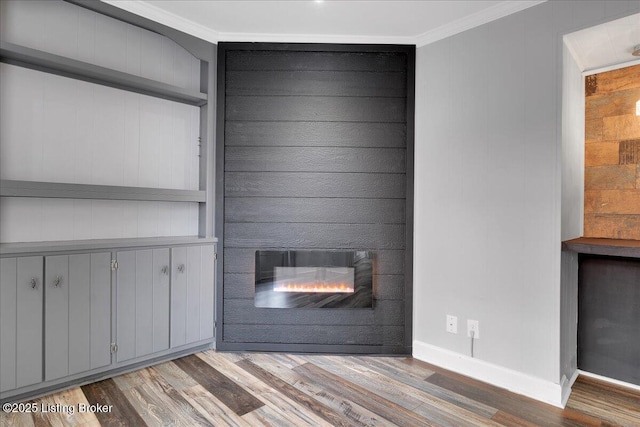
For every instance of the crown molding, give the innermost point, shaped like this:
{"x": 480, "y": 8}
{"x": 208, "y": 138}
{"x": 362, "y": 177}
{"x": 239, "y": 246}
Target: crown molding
{"x": 169, "y": 19}
{"x": 570, "y": 45}
{"x": 475, "y": 20}
{"x": 314, "y": 38}
{"x": 172, "y": 20}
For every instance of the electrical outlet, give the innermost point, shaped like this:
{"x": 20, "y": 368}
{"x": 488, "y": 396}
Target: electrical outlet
{"x": 452, "y": 324}
{"x": 473, "y": 325}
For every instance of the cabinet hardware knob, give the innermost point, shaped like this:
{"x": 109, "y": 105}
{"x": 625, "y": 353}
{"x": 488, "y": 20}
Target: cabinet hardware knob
{"x": 165, "y": 270}
{"x": 57, "y": 281}
{"x": 181, "y": 268}
{"x": 33, "y": 282}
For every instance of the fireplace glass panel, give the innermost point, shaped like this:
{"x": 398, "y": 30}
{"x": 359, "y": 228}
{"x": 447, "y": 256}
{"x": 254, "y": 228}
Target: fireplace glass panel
{"x": 320, "y": 279}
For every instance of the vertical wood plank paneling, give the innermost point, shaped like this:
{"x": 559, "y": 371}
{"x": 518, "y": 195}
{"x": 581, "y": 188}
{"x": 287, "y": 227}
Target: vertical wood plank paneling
{"x": 100, "y": 309}
{"x": 133, "y": 52}
{"x": 86, "y": 35}
{"x": 131, "y": 150}
{"x": 29, "y": 320}
{"x": 79, "y": 313}
{"x": 178, "y": 297}
{"x": 149, "y": 135}
{"x": 144, "y": 298}
{"x": 59, "y": 119}
{"x": 21, "y": 219}
{"x": 58, "y": 220}
{"x": 8, "y": 324}
{"x": 108, "y": 122}
{"x": 167, "y": 58}
{"x": 160, "y": 300}
{"x": 110, "y": 43}
{"x": 22, "y": 24}
{"x": 126, "y": 305}
{"x": 164, "y": 218}
{"x": 164, "y": 145}
{"x": 21, "y": 142}
{"x": 194, "y": 294}
{"x": 151, "y": 64}
{"x": 84, "y": 146}
{"x": 56, "y": 311}
{"x": 61, "y": 28}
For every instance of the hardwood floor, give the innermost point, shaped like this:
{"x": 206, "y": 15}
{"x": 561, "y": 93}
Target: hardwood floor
{"x": 255, "y": 389}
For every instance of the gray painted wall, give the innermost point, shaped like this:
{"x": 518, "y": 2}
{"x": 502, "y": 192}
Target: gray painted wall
{"x": 488, "y": 184}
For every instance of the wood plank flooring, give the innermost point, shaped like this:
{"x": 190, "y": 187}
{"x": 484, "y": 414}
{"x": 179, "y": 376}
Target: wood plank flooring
{"x": 275, "y": 389}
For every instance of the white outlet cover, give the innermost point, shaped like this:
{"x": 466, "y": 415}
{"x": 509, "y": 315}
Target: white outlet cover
{"x": 473, "y": 325}
{"x": 452, "y": 324}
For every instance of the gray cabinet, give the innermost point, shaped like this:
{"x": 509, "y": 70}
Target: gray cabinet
{"x": 20, "y": 322}
{"x": 61, "y": 312}
{"x": 142, "y": 308}
{"x": 192, "y": 294}
{"x": 77, "y": 324}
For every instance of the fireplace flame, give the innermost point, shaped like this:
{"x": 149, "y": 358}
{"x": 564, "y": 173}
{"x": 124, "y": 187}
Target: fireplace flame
{"x": 318, "y": 287}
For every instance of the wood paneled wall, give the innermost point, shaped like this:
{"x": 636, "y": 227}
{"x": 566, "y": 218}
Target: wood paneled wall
{"x": 315, "y": 158}
{"x": 612, "y": 155}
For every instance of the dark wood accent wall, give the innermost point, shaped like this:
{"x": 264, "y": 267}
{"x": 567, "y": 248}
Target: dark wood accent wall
{"x": 318, "y": 144}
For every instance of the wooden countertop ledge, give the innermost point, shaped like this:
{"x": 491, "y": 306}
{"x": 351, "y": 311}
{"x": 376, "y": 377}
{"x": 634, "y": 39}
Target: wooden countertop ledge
{"x": 610, "y": 247}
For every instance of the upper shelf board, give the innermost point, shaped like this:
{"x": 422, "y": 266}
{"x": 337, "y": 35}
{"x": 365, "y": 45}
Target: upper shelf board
{"x": 67, "y": 67}
{"x": 9, "y": 188}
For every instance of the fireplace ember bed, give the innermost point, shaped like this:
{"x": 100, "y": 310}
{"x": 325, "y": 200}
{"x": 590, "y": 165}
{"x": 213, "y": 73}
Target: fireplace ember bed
{"x": 314, "y": 279}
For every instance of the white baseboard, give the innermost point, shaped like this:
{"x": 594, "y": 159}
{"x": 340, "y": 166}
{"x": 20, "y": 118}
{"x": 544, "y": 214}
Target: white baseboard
{"x": 514, "y": 381}
{"x": 566, "y": 386}
{"x": 609, "y": 380}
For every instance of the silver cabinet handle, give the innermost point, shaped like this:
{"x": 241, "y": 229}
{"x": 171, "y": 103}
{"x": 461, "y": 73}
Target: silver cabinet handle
{"x": 181, "y": 268}
{"x": 34, "y": 282}
{"x": 57, "y": 281}
{"x": 165, "y": 270}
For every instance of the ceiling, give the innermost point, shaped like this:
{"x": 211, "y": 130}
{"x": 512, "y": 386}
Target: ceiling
{"x": 607, "y": 44}
{"x": 353, "y": 21}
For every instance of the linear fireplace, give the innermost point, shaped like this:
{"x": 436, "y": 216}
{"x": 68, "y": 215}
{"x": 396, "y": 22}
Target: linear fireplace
{"x": 320, "y": 279}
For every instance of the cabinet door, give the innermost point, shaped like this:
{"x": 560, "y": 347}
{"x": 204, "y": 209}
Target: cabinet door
{"x": 29, "y": 292}
{"x": 126, "y": 305}
{"x": 178, "y": 297}
{"x": 142, "y": 312}
{"x": 89, "y": 311}
{"x": 77, "y": 304}
{"x": 56, "y": 317}
{"x": 192, "y": 294}
{"x": 20, "y": 322}
{"x": 160, "y": 303}
{"x": 8, "y": 325}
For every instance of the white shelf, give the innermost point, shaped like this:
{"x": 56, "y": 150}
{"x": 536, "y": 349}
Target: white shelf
{"x": 60, "y": 65}
{"x": 18, "y": 249}
{"x": 10, "y": 188}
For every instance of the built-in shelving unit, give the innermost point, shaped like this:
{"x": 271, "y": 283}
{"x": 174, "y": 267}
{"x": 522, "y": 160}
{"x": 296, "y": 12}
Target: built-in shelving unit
{"x": 11, "y": 188}
{"x": 133, "y": 179}
{"x": 35, "y": 59}
{"x": 67, "y": 67}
